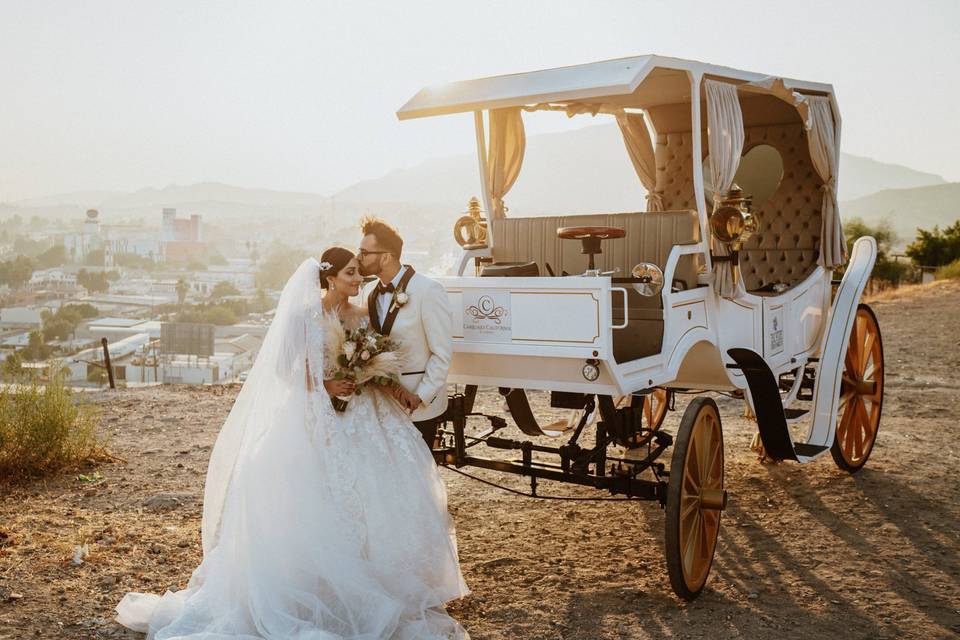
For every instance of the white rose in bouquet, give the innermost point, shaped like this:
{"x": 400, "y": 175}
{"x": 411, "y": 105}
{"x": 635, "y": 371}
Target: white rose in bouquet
{"x": 349, "y": 348}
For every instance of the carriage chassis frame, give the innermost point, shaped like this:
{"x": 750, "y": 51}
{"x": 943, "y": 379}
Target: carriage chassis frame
{"x": 575, "y": 461}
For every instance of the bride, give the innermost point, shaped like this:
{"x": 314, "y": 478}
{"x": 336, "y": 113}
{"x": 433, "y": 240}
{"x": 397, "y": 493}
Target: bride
{"x": 317, "y": 525}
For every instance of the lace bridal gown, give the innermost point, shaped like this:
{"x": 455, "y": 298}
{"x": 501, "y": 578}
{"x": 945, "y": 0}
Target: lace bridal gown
{"x": 317, "y": 525}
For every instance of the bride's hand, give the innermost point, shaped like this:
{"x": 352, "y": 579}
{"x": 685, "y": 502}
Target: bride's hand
{"x": 339, "y": 387}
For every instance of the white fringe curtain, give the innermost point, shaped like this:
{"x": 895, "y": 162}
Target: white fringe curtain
{"x": 636, "y": 137}
{"x": 504, "y": 156}
{"x": 725, "y": 140}
{"x": 823, "y": 152}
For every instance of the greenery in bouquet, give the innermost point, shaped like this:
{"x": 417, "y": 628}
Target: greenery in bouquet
{"x": 361, "y": 355}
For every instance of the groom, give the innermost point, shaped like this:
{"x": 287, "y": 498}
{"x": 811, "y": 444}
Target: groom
{"x": 413, "y": 309}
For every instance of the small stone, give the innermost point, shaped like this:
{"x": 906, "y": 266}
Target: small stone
{"x": 753, "y": 596}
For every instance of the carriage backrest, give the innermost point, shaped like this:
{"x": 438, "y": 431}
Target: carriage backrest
{"x": 786, "y": 248}
{"x": 650, "y": 237}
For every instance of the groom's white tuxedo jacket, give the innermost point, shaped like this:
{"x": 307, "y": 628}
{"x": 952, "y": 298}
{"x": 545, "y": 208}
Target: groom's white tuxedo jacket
{"x": 423, "y": 326}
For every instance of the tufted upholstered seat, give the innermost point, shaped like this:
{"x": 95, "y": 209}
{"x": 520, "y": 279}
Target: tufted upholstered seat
{"x": 650, "y": 237}
{"x": 788, "y": 244}
{"x": 786, "y": 248}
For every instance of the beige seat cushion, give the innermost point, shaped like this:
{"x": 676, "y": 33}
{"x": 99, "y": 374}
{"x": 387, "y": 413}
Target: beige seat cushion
{"x": 650, "y": 237}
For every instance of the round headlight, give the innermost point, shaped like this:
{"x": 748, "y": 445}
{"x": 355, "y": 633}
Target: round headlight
{"x": 650, "y": 278}
{"x": 590, "y": 371}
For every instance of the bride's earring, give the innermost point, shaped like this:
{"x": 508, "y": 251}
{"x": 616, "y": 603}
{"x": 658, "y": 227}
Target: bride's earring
{"x": 333, "y": 287}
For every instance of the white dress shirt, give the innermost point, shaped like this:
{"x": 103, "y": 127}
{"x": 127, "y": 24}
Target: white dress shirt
{"x": 383, "y": 300}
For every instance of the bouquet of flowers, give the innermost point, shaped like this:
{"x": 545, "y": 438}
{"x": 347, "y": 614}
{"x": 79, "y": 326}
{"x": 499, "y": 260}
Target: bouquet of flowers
{"x": 362, "y": 356}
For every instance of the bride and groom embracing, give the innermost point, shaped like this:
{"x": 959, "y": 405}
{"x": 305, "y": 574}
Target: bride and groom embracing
{"x": 318, "y": 523}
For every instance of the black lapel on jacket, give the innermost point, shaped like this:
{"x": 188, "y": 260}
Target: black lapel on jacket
{"x": 395, "y": 309}
{"x": 372, "y": 309}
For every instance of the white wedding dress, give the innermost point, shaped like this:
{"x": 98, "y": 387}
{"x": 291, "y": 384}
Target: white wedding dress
{"x": 317, "y": 525}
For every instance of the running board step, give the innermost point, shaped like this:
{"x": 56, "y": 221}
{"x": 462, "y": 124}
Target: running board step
{"x": 808, "y": 450}
{"x": 794, "y": 415}
{"x": 771, "y": 417}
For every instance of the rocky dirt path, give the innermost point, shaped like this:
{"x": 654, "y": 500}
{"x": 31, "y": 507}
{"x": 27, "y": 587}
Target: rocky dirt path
{"x": 804, "y": 551}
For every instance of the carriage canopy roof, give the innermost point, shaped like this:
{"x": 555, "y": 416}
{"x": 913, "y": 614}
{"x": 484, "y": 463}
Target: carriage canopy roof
{"x": 608, "y": 81}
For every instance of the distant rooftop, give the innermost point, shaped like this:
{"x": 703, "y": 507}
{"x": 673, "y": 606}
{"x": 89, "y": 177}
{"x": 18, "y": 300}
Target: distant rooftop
{"x": 115, "y": 322}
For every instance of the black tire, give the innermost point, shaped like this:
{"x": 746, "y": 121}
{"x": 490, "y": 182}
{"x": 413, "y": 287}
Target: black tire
{"x": 689, "y": 584}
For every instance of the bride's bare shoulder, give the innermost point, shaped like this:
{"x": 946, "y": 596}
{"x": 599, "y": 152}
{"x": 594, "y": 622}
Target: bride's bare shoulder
{"x": 353, "y": 312}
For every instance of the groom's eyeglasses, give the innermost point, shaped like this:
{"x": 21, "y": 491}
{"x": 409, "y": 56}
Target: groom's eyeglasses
{"x": 363, "y": 253}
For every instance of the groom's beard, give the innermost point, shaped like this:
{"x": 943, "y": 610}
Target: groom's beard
{"x": 364, "y": 271}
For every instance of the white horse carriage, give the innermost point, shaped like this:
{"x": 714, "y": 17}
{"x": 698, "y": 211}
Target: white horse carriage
{"x": 724, "y": 284}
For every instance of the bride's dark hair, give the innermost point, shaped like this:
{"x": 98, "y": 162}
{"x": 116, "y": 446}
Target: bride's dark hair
{"x": 337, "y": 258}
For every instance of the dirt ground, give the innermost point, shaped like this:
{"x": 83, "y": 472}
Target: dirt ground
{"x": 804, "y": 551}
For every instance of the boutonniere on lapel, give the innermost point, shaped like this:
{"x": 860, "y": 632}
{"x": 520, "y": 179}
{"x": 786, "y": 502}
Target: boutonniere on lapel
{"x": 400, "y": 298}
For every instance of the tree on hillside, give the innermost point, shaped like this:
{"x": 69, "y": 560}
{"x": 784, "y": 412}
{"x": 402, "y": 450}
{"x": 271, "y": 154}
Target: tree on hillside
{"x": 278, "y": 266}
{"x": 182, "y": 290}
{"x": 62, "y": 324}
{"x": 36, "y": 348}
{"x": 55, "y": 256}
{"x": 223, "y": 288}
{"x": 936, "y": 248}
{"x": 221, "y": 316}
{"x": 17, "y": 272}
{"x": 12, "y": 367}
{"x": 93, "y": 282}
{"x": 884, "y": 268}
{"x": 85, "y": 309}
{"x": 24, "y": 246}
{"x": 58, "y": 329}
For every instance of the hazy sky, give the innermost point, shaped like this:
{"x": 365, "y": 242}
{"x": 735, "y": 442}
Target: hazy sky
{"x": 301, "y": 95}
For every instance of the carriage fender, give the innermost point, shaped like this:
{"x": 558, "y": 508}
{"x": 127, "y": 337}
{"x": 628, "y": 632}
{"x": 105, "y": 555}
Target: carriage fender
{"x": 699, "y": 365}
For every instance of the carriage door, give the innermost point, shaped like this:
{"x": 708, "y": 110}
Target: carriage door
{"x": 776, "y": 316}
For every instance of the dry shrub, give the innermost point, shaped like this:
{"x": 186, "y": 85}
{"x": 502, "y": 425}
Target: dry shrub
{"x": 948, "y": 271}
{"x": 45, "y": 427}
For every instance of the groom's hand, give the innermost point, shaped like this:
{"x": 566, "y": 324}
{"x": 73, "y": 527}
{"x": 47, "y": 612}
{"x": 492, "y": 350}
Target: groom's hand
{"x": 413, "y": 401}
{"x": 409, "y": 400}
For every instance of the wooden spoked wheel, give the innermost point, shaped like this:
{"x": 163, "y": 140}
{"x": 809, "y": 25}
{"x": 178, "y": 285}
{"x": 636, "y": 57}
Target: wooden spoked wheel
{"x": 655, "y": 405}
{"x": 861, "y": 393}
{"x": 695, "y": 498}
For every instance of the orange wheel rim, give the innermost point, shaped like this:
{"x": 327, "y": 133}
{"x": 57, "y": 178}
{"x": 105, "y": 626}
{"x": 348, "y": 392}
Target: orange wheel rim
{"x": 861, "y": 391}
{"x": 702, "y": 469}
{"x": 654, "y": 410}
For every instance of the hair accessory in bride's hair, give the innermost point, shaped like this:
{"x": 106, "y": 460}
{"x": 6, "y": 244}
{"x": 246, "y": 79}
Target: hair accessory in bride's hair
{"x": 325, "y": 266}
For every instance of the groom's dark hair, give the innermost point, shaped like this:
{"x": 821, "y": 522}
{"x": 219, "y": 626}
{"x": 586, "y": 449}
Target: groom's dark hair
{"x": 387, "y": 237}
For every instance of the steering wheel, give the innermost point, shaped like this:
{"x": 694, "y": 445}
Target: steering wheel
{"x": 590, "y": 238}
{"x": 589, "y": 233}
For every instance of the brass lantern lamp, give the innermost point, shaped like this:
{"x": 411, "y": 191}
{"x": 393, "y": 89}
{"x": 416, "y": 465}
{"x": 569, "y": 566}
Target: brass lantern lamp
{"x": 732, "y": 222}
{"x": 470, "y": 229}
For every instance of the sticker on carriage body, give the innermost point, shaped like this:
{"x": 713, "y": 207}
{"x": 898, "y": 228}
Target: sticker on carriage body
{"x": 486, "y": 315}
{"x": 775, "y": 332}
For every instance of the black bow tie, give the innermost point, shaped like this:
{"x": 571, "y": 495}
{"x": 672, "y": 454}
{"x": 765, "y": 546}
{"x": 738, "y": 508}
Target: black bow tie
{"x": 382, "y": 288}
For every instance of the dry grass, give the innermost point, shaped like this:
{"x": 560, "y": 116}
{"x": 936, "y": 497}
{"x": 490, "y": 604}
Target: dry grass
{"x": 948, "y": 271}
{"x": 45, "y": 428}
{"x": 909, "y": 291}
